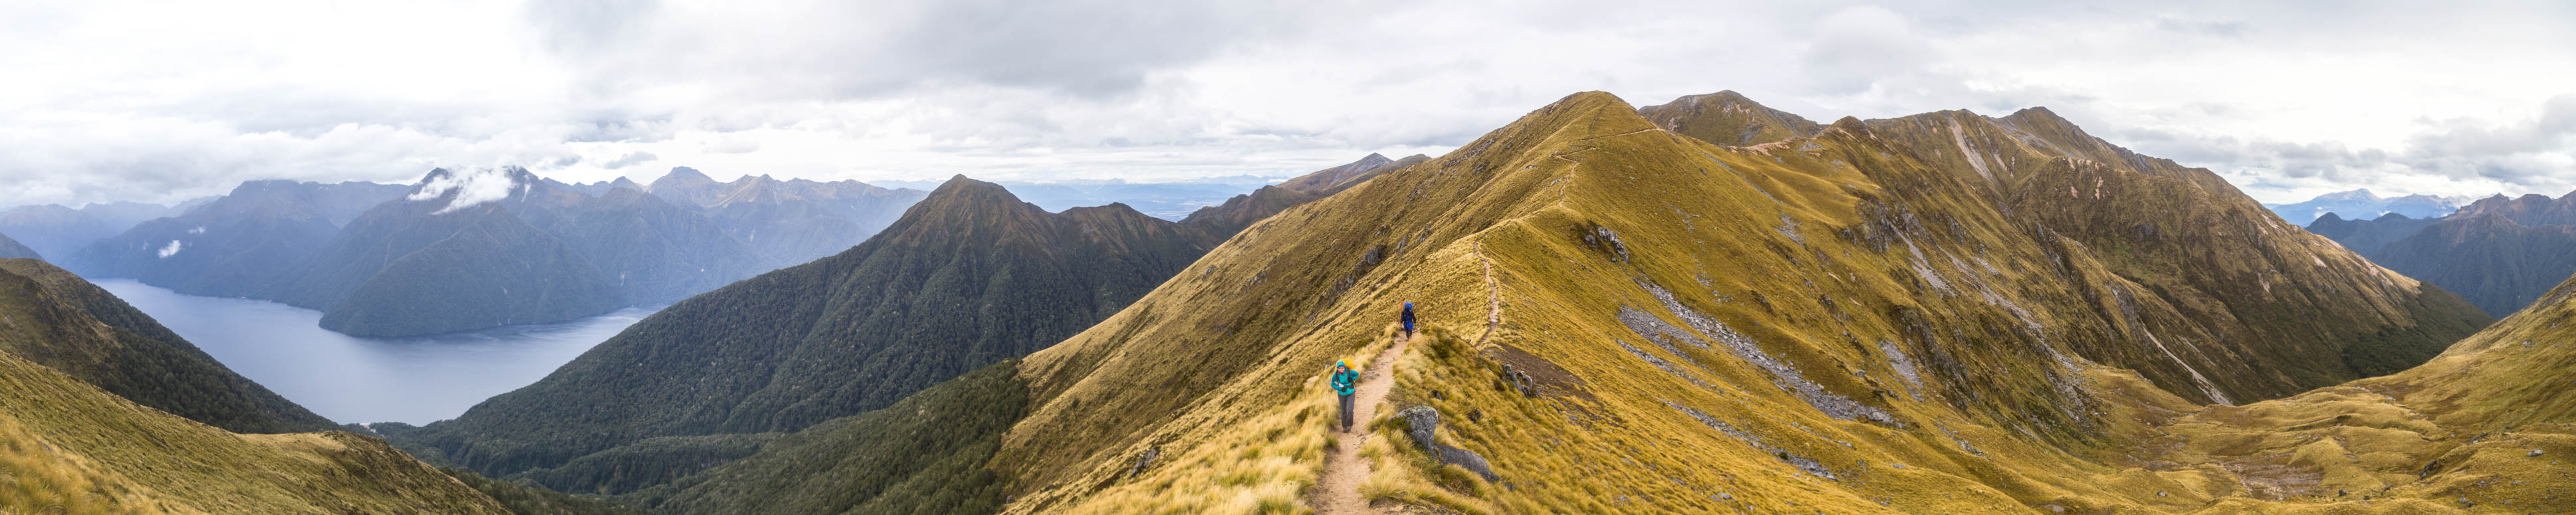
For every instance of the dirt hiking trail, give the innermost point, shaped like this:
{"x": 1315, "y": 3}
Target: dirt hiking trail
{"x": 1339, "y": 490}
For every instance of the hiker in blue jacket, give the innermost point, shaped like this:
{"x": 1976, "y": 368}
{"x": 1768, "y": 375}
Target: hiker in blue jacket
{"x": 1408, "y": 320}
{"x": 1345, "y": 382}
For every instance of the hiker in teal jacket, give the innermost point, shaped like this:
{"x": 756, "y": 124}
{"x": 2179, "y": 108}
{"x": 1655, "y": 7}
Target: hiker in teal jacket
{"x": 1345, "y": 382}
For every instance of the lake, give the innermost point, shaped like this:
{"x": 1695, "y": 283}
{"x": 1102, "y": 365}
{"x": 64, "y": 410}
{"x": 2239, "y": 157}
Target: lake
{"x": 350, "y": 379}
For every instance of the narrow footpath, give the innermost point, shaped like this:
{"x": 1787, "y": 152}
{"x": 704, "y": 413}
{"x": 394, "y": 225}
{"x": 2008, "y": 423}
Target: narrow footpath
{"x": 1339, "y": 490}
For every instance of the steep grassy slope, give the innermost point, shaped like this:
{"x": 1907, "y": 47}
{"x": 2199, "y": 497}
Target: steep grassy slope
{"x": 2484, "y": 428}
{"x": 11, "y": 249}
{"x": 67, "y": 446}
{"x": 2368, "y": 236}
{"x": 71, "y": 326}
{"x": 2228, "y": 291}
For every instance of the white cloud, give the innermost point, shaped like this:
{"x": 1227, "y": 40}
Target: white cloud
{"x": 171, "y": 250}
{"x": 2284, "y": 98}
{"x": 469, "y": 188}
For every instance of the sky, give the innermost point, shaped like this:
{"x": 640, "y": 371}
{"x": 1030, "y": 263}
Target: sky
{"x": 108, "y": 100}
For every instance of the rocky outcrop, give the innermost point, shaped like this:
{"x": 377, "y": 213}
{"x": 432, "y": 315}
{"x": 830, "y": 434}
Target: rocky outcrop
{"x": 1423, "y": 424}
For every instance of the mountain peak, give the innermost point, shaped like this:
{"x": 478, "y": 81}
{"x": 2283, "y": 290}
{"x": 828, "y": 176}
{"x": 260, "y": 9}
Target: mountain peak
{"x": 962, "y": 188}
{"x": 687, "y": 174}
{"x": 471, "y": 187}
{"x": 2038, "y": 113}
{"x": 2357, "y": 194}
{"x": 1728, "y": 118}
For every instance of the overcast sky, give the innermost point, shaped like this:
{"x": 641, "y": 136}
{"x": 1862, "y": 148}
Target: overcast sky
{"x": 106, "y": 100}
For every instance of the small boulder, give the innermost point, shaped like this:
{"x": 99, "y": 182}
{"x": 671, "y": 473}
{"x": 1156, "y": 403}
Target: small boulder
{"x": 1467, "y": 459}
{"x": 1143, "y": 460}
{"x": 1421, "y": 422}
{"x": 2535, "y": 452}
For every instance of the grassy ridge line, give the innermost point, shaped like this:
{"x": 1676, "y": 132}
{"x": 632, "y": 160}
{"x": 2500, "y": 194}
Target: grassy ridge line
{"x": 1242, "y": 327}
{"x": 72, "y": 326}
{"x": 67, "y": 444}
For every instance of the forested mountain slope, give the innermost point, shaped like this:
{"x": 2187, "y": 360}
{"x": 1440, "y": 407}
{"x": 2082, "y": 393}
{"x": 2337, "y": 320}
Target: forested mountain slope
{"x": 2367, "y": 237}
{"x": 969, "y": 276}
{"x": 2496, "y": 262}
{"x": 11, "y": 249}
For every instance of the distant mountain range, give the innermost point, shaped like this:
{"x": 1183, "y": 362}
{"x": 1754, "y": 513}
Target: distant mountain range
{"x": 2501, "y": 253}
{"x": 236, "y": 245}
{"x": 484, "y": 248}
{"x": 59, "y": 232}
{"x": 2361, "y": 204}
{"x": 1165, "y": 200}
{"x": 464, "y": 250}
{"x": 788, "y": 221}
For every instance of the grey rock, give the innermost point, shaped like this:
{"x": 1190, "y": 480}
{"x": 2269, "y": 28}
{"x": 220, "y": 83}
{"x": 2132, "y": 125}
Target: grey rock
{"x": 1467, "y": 459}
{"x": 1144, "y": 460}
{"x": 2535, "y": 452}
{"x": 1421, "y": 423}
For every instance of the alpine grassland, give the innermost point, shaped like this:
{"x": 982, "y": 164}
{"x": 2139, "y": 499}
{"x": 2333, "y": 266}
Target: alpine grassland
{"x": 69, "y": 447}
{"x": 1642, "y": 322}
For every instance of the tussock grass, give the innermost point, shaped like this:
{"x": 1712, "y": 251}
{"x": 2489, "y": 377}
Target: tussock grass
{"x": 68, "y": 447}
{"x": 2049, "y": 360}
